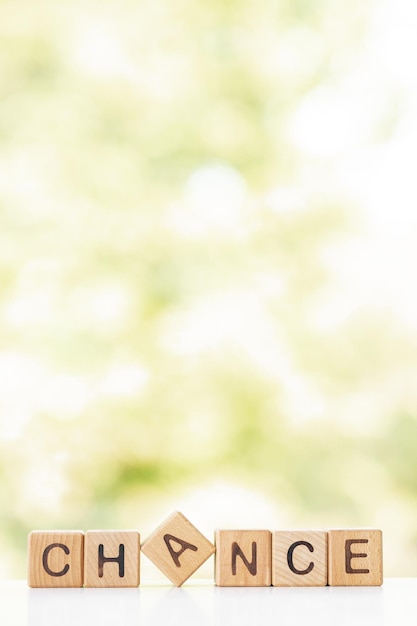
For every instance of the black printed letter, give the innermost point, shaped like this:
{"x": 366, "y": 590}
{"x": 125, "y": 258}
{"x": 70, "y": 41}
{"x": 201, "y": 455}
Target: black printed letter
{"x": 349, "y": 556}
{"x": 116, "y": 559}
{"x": 290, "y": 562}
{"x": 45, "y": 559}
{"x": 236, "y": 551}
{"x": 184, "y": 546}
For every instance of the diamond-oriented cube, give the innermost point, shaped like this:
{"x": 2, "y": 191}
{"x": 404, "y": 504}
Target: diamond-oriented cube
{"x": 177, "y": 548}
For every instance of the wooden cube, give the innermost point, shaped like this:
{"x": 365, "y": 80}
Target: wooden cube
{"x": 243, "y": 558}
{"x": 177, "y": 548}
{"x": 355, "y": 557}
{"x": 112, "y": 558}
{"x": 299, "y": 558}
{"x": 55, "y": 558}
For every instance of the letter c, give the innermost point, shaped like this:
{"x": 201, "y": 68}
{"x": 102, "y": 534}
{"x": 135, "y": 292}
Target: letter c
{"x": 45, "y": 559}
{"x": 290, "y": 562}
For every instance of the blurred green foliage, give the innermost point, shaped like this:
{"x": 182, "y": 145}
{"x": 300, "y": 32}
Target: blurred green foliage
{"x": 170, "y": 315}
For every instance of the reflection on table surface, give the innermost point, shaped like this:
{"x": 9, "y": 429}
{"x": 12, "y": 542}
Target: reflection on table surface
{"x": 206, "y": 605}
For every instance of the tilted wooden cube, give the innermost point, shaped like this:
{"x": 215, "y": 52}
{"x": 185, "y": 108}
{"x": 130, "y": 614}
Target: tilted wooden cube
{"x": 177, "y": 548}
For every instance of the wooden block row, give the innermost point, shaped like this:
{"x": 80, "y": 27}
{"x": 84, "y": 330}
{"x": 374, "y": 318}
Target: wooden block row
{"x": 99, "y": 558}
{"x": 303, "y": 558}
{"x": 112, "y": 558}
{"x": 244, "y": 558}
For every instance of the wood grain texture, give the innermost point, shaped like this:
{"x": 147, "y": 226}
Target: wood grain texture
{"x": 55, "y": 558}
{"x": 299, "y": 558}
{"x": 355, "y": 557}
{"x": 177, "y": 548}
{"x": 112, "y": 558}
{"x": 243, "y": 558}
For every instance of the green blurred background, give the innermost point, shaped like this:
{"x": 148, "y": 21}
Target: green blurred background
{"x": 208, "y": 267}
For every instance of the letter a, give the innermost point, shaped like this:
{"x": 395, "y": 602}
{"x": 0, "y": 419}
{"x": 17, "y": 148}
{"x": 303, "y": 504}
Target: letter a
{"x": 177, "y": 553}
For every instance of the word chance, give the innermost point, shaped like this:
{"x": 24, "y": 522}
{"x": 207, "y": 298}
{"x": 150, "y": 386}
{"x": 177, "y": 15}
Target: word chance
{"x": 243, "y": 558}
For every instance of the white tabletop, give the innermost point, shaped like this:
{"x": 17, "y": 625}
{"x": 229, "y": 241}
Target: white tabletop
{"x": 198, "y": 604}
